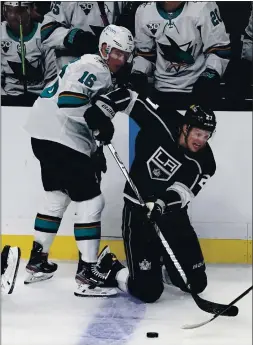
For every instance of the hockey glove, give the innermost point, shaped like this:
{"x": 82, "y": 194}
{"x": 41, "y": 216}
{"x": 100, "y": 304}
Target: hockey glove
{"x": 155, "y": 209}
{"x": 122, "y": 76}
{"x": 206, "y": 90}
{"x": 80, "y": 42}
{"x": 139, "y": 82}
{"x": 99, "y": 162}
{"x": 98, "y": 122}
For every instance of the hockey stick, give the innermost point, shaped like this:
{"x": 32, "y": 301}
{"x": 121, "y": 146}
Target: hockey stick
{"x": 207, "y": 306}
{"x": 196, "y": 325}
{"x": 22, "y": 46}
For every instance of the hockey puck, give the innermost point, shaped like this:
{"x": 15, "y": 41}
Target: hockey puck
{"x": 152, "y": 335}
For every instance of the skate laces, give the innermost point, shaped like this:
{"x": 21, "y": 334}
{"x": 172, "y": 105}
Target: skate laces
{"x": 98, "y": 274}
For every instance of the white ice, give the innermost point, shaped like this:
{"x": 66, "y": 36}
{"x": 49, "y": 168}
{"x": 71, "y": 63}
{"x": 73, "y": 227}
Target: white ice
{"x": 48, "y": 313}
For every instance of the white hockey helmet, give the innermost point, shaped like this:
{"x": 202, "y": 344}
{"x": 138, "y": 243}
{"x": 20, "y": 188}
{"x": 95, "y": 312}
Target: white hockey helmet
{"x": 116, "y": 37}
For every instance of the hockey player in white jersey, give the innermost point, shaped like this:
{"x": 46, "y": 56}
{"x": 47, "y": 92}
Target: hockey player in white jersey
{"x": 73, "y": 27}
{"x": 187, "y": 48}
{"x": 248, "y": 38}
{"x": 61, "y": 124}
{"x": 25, "y": 66}
{"x": 10, "y": 258}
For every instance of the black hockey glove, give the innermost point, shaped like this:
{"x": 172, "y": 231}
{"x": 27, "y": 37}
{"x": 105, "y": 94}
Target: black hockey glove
{"x": 98, "y": 122}
{"x": 155, "y": 209}
{"x": 206, "y": 90}
{"x": 122, "y": 76}
{"x": 80, "y": 42}
{"x": 138, "y": 82}
{"x": 99, "y": 162}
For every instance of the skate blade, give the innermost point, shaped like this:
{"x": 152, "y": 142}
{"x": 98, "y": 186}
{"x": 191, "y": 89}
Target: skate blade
{"x": 35, "y": 277}
{"x": 84, "y": 291}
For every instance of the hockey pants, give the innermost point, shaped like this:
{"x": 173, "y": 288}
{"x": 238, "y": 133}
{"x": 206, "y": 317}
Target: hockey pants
{"x": 146, "y": 254}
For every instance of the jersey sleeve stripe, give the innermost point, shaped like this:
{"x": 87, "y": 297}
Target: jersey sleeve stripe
{"x": 157, "y": 117}
{"x": 48, "y": 29}
{"x": 223, "y": 52}
{"x": 72, "y": 100}
{"x": 139, "y": 53}
{"x": 150, "y": 56}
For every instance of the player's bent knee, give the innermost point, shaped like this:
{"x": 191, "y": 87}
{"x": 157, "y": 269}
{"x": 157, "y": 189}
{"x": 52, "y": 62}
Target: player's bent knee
{"x": 90, "y": 210}
{"x": 146, "y": 291}
{"x": 55, "y": 204}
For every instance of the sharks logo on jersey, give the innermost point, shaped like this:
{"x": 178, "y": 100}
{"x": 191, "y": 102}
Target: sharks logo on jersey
{"x": 5, "y": 45}
{"x": 32, "y": 74}
{"x": 178, "y": 55}
{"x": 153, "y": 27}
{"x": 86, "y": 7}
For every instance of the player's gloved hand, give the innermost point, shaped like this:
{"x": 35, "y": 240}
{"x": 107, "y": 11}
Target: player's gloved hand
{"x": 206, "y": 90}
{"x": 105, "y": 134}
{"x": 80, "y": 42}
{"x": 99, "y": 162}
{"x": 155, "y": 209}
{"x": 122, "y": 76}
{"x": 100, "y": 124}
{"x": 138, "y": 82}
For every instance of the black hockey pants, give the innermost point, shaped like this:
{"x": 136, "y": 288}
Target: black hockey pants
{"x": 146, "y": 254}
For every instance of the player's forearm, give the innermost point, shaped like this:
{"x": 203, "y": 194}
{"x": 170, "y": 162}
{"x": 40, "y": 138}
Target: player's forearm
{"x": 142, "y": 65}
{"x": 53, "y": 34}
{"x": 218, "y": 59}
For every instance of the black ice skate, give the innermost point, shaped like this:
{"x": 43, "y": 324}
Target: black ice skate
{"x": 93, "y": 279}
{"x": 38, "y": 266}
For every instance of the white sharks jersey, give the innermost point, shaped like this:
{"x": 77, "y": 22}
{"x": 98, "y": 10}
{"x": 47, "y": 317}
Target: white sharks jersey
{"x": 182, "y": 43}
{"x": 57, "y": 115}
{"x": 248, "y": 38}
{"x": 40, "y": 65}
{"x": 83, "y": 15}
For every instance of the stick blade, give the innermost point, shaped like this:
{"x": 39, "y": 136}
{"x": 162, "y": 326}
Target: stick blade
{"x": 196, "y": 325}
{"x": 215, "y": 308}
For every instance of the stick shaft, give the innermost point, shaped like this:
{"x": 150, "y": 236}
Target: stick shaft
{"x": 134, "y": 188}
{"x": 22, "y": 46}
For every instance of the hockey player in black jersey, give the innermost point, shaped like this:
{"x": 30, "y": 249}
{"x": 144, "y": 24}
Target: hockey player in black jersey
{"x": 173, "y": 161}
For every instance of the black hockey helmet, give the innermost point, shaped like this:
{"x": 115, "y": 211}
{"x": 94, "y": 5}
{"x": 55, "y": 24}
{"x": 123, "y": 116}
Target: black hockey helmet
{"x": 201, "y": 118}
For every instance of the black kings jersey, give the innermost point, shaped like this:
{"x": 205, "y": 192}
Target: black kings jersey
{"x": 160, "y": 164}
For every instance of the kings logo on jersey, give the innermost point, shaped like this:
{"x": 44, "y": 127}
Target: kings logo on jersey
{"x": 153, "y": 27}
{"x": 161, "y": 165}
{"x": 5, "y": 45}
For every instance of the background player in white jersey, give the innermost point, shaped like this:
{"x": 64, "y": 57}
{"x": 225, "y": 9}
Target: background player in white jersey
{"x": 173, "y": 161}
{"x": 73, "y": 27}
{"x": 245, "y": 68}
{"x": 187, "y": 48}
{"x": 37, "y": 59}
{"x": 61, "y": 125}
{"x": 10, "y": 258}
{"x": 248, "y": 39}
